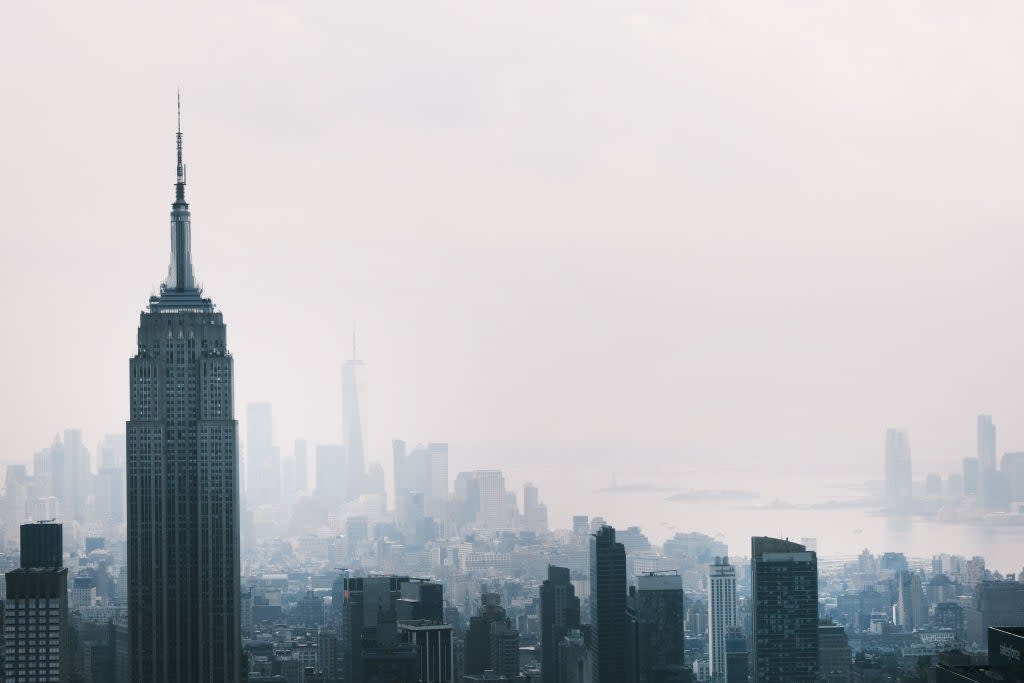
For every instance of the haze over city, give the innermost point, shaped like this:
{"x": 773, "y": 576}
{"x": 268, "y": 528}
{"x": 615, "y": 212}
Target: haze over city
{"x": 688, "y": 232}
{"x": 568, "y": 342}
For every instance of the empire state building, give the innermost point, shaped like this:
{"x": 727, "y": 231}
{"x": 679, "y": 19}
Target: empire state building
{"x": 183, "y": 551}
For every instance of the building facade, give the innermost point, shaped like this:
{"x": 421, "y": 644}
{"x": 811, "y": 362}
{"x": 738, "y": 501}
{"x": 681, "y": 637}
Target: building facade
{"x": 608, "y": 644}
{"x": 657, "y": 611}
{"x": 183, "y": 480}
{"x": 37, "y": 631}
{"x": 559, "y": 614}
{"x": 722, "y": 615}
{"x": 785, "y": 611}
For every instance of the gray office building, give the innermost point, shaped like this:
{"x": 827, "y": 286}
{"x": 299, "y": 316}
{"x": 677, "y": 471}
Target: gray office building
{"x": 182, "y": 460}
{"x": 608, "y": 645}
{"x": 785, "y": 611}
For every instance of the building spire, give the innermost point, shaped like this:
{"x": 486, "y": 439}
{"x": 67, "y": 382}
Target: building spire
{"x": 179, "y": 195}
{"x": 354, "y": 356}
{"x": 179, "y": 275}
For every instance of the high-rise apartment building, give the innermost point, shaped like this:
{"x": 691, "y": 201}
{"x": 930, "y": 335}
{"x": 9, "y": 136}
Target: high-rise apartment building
{"x": 183, "y": 498}
{"x": 722, "y": 615}
{"x": 559, "y": 614}
{"x": 785, "y": 611}
{"x": 607, "y": 607}
{"x": 353, "y": 406}
{"x": 36, "y": 626}
{"x": 898, "y": 470}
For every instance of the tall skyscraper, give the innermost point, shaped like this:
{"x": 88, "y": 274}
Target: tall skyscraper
{"x": 263, "y": 458}
{"x": 785, "y": 611}
{"x": 898, "y": 472}
{"x": 183, "y": 516}
{"x": 353, "y": 406}
{"x": 37, "y": 629}
{"x": 559, "y": 614}
{"x": 722, "y": 615}
{"x": 988, "y": 475}
{"x": 535, "y": 513}
{"x": 658, "y": 625}
{"x": 607, "y": 607}
{"x": 478, "y": 651}
{"x": 986, "y": 442}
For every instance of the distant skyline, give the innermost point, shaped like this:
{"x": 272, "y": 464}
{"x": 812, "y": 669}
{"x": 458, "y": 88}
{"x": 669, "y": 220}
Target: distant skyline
{"x": 718, "y": 234}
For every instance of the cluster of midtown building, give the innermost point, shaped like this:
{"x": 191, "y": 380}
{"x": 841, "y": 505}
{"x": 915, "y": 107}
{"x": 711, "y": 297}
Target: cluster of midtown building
{"x": 778, "y": 615}
{"x": 201, "y": 583}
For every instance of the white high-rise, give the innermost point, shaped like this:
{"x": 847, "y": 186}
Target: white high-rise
{"x": 722, "y": 614}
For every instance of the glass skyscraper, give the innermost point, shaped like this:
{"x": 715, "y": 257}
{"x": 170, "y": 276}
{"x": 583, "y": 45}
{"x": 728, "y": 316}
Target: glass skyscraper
{"x": 785, "y": 611}
{"x": 607, "y": 607}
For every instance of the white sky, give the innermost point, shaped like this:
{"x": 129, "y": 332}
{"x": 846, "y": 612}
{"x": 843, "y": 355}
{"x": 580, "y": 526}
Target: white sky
{"x": 740, "y": 231}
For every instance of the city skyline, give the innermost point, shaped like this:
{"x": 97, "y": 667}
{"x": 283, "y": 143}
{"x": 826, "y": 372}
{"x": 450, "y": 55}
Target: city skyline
{"x": 881, "y": 257}
{"x": 688, "y": 333}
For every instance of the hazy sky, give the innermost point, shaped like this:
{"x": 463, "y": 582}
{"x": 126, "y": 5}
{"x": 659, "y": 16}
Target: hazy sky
{"x": 684, "y": 231}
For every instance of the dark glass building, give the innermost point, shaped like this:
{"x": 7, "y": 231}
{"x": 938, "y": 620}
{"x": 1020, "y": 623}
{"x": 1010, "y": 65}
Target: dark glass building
{"x": 657, "y": 626}
{"x": 785, "y": 611}
{"x": 42, "y": 545}
{"x": 182, "y": 461}
{"x": 559, "y": 614}
{"x": 36, "y": 626}
{"x": 372, "y": 648}
{"x": 608, "y": 646}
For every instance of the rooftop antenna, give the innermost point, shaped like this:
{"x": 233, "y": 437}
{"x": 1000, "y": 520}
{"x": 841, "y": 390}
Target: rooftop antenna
{"x": 354, "y": 356}
{"x": 180, "y": 195}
